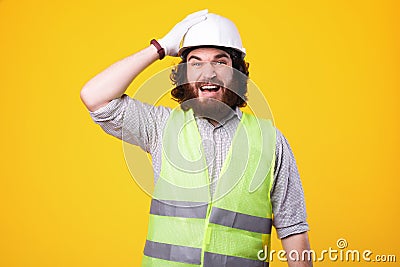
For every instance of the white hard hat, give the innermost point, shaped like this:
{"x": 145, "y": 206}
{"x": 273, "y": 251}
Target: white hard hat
{"x": 213, "y": 31}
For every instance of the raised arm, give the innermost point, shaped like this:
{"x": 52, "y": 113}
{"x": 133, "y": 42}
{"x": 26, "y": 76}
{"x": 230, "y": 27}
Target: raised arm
{"x": 113, "y": 81}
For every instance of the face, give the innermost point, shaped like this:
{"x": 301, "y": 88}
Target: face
{"x": 209, "y": 73}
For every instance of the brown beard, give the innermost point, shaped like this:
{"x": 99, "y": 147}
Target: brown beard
{"x": 210, "y": 108}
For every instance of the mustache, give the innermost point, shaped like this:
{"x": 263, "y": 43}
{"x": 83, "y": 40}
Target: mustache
{"x": 214, "y": 81}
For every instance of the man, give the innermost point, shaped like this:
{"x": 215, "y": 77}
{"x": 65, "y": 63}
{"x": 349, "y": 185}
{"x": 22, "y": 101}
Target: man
{"x": 211, "y": 206}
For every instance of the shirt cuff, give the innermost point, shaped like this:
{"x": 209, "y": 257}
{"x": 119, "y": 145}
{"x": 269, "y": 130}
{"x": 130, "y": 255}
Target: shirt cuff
{"x": 293, "y": 229}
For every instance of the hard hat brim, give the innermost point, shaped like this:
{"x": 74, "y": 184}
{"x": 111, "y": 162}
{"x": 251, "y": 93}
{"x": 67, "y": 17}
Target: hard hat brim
{"x": 184, "y": 51}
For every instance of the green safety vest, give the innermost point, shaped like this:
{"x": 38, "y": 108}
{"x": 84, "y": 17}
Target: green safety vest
{"x": 188, "y": 227}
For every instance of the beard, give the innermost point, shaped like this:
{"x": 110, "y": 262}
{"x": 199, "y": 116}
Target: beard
{"x": 216, "y": 105}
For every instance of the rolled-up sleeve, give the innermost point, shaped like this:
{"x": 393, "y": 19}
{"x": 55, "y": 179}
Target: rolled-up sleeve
{"x": 287, "y": 192}
{"x": 132, "y": 121}
{"x": 110, "y": 117}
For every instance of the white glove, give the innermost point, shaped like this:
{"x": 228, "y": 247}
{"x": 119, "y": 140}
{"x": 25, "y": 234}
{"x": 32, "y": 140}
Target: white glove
{"x": 172, "y": 40}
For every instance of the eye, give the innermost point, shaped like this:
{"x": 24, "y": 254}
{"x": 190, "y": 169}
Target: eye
{"x": 196, "y": 64}
{"x": 220, "y": 62}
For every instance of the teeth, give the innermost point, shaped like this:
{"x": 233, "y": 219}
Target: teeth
{"x": 209, "y": 87}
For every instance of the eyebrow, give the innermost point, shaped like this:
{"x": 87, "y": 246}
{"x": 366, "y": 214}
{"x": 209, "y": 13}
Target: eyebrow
{"x": 222, "y": 55}
{"x": 218, "y": 56}
{"x": 194, "y": 57}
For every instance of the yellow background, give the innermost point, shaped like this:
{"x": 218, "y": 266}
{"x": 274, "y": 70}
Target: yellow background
{"x": 328, "y": 68}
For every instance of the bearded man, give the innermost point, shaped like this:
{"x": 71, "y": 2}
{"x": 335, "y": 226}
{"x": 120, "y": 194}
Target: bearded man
{"x": 212, "y": 206}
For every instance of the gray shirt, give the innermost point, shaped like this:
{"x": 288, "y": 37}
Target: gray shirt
{"x": 142, "y": 124}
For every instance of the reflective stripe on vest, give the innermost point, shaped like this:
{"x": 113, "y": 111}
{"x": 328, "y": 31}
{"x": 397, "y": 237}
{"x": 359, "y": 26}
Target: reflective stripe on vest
{"x": 186, "y": 227}
{"x": 185, "y": 209}
{"x": 172, "y": 252}
{"x": 240, "y": 221}
{"x": 192, "y": 256}
{"x": 174, "y": 208}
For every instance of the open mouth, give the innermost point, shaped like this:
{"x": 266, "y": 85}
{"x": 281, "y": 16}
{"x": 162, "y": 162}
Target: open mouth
{"x": 209, "y": 88}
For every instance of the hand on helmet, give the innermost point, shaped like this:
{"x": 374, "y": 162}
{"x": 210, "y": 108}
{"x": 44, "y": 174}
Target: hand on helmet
{"x": 172, "y": 40}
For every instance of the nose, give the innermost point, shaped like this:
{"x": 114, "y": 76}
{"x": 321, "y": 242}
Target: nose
{"x": 208, "y": 71}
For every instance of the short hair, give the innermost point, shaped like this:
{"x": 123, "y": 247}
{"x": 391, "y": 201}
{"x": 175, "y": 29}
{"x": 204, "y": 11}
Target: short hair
{"x": 178, "y": 76}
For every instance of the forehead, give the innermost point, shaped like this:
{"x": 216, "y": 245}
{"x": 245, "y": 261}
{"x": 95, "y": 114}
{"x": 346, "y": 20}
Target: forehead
{"x": 207, "y": 53}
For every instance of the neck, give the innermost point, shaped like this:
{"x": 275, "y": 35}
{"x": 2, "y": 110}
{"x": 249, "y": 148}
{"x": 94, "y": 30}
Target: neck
{"x": 213, "y": 122}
